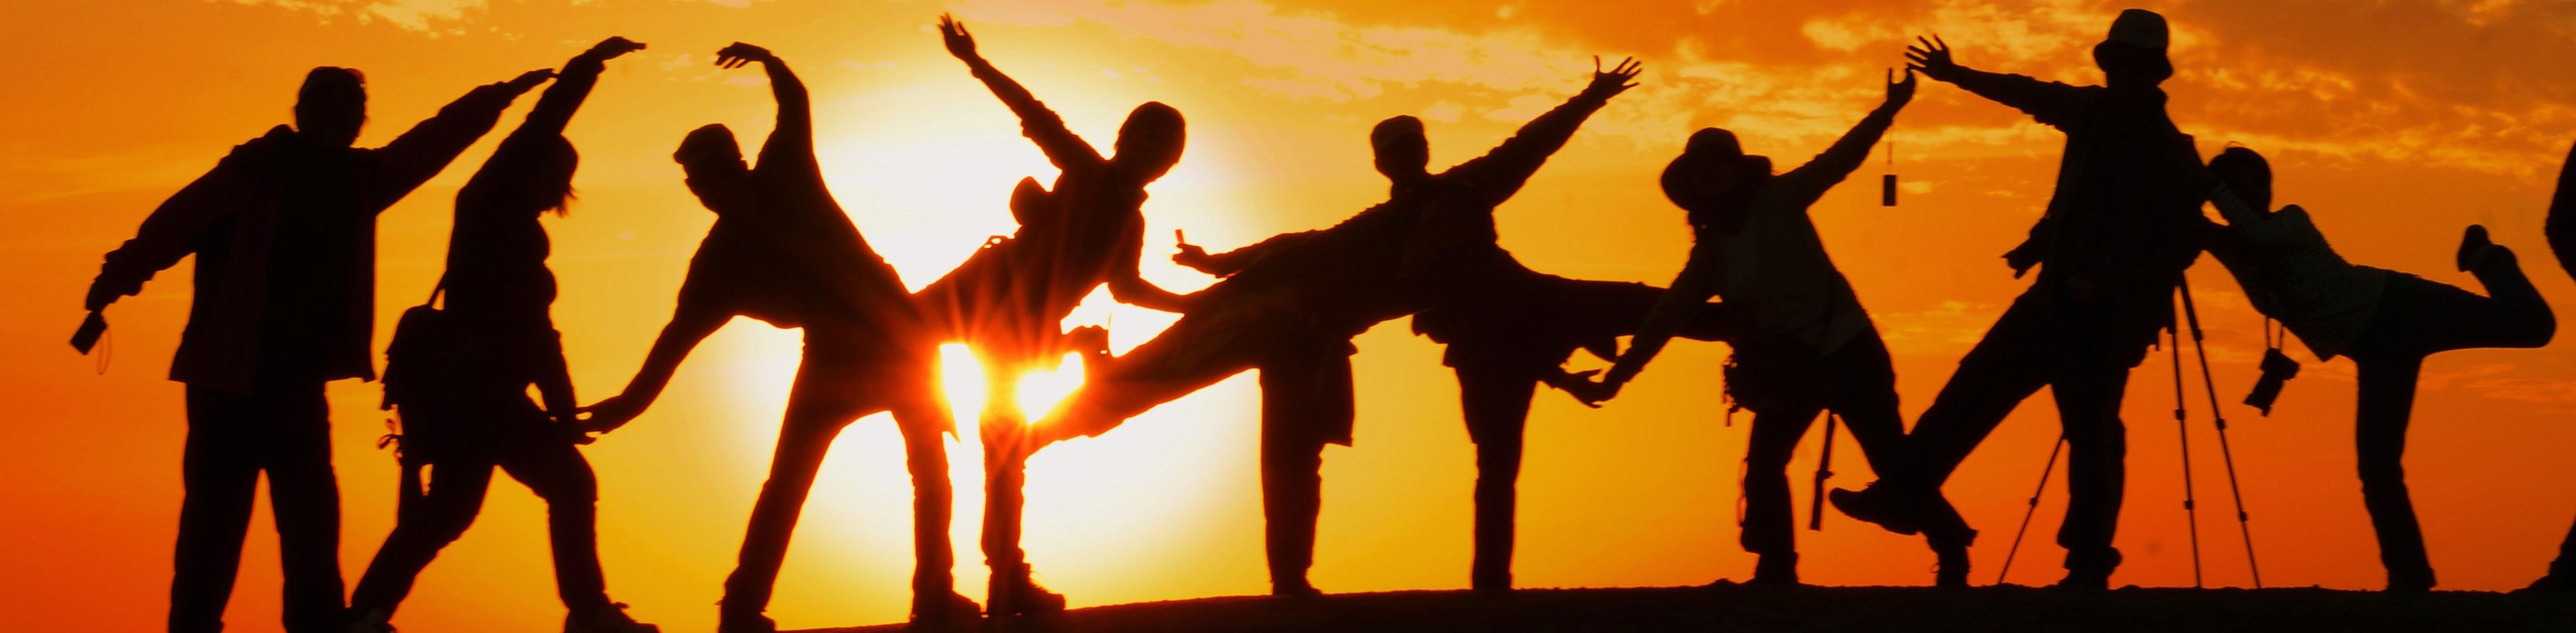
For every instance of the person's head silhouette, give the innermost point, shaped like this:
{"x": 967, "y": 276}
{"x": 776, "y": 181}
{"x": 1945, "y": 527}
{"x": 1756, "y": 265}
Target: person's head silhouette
{"x": 1403, "y": 153}
{"x": 549, "y": 186}
{"x": 2134, "y": 52}
{"x": 1714, "y": 180}
{"x": 331, "y": 106}
{"x": 1149, "y": 143}
{"x": 709, "y": 156}
{"x": 2246, "y": 174}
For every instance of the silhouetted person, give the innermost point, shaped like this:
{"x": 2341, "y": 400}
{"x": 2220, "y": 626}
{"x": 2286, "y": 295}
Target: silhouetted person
{"x": 1502, "y": 345}
{"x": 499, "y": 294}
{"x": 2561, "y": 229}
{"x": 783, "y": 252}
{"x": 2115, "y": 239}
{"x": 1803, "y": 344}
{"x": 284, "y": 233}
{"x": 1294, "y": 301}
{"x": 1010, "y": 300}
{"x": 2386, "y": 321}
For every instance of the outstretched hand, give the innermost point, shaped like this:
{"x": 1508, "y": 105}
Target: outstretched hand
{"x": 528, "y": 80}
{"x": 1900, "y": 92}
{"x": 739, "y": 54}
{"x": 1617, "y": 80}
{"x": 1932, "y": 56}
{"x": 953, "y": 33}
{"x": 607, "y": 415}
{"x": 1191, "y": 255}
{"x": 612, "y": 47}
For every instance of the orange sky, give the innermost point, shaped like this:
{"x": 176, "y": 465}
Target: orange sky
{"x": 2397, "y": 123}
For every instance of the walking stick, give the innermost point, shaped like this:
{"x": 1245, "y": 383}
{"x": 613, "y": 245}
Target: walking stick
{"x": 2034, "y": 509}
{"x": 1824, "y": 471}
{"x": 2224, "y": 452}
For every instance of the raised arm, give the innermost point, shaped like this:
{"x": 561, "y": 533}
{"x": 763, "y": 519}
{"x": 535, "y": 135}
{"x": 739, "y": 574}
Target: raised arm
{"x": 1810, "y": 181}
{"x": 171, "y": 232}
{"x": 2050, "y": 102}
{"x": 791, "y": 142}
{"x": 420, "y": 153}
{"x": 1677, "y": 309}
{"x": 1501, "y": 172}
{"x": 1040, "y": 124}
{"x": 688, "y": 327}
{"x": 572, "y": 85}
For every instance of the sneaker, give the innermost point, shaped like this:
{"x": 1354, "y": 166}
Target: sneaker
{"x": 2418, "y": 582}
{"x": 1877, "y": 505}
{"x": 2088, "y": 575}
{"x": 1951, "y": 559}
{"x": 609, "y": 618}
{"x": 1013, "y": 594}
{"x": 2474, "y": 246}
{"x": 944, "y": 608}
{"x": 1776, "y": 570}
{"x": 375, "y": 621}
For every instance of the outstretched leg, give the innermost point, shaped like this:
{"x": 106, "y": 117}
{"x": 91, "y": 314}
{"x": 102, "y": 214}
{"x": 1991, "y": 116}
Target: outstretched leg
{"x": 1496, "y": 401}
{"x": 816, "y": 413}
{"x": 437, "y": 503}
{"x": 555, "y": 470}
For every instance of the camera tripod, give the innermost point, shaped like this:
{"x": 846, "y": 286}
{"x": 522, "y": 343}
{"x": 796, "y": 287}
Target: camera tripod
{"x": 2190, "y": 503}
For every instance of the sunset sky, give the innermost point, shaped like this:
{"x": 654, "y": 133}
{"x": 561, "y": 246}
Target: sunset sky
{"x": 2397, "y": 123}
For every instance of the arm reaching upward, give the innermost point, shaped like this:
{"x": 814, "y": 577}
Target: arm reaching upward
{"x": 1500, "y": 173}
{"x": 2050, "y": 102}
{"x": 791, "y": 143}
{"x": 1041, "y": 125}
{"x": 420, "y": 153}
{"x": 572, "y": 85}
{"x": 1810, "y": 181}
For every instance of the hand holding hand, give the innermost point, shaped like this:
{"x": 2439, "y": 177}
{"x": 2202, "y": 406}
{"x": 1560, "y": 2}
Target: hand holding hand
{"x": 1617, "y": 80}
{"x": 612, "y": 47}
{"x": 1932, "y": 56}
{"x": 1585, "y": 389}
{"x": 953, "y": 33}
{"x": 739, "y": 55}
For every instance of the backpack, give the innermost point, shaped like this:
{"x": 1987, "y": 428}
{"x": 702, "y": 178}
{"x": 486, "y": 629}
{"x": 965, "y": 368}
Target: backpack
{"x": 425, "y": 366}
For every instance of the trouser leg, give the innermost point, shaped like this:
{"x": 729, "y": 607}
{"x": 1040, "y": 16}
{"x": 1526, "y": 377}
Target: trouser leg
{"x": 2449, "y": 318}
{"x": 1863, "y": 393}
{"x": 437, "y": 503}
{"x": 557, "y": 472}
{"x": 1005, "y": 434}
{"x": 2005, "y": 367}
{"x": 2088, "y": 405}
{"x": 1769, "y": 524}
{"x": 1496, "y": 403}
{"x": 304, "y": 497}
{"x": 221, "y": 477}
{"x": 802, "y": 443}
{"x": 1292, "y": 485}
{"x": 2387, "y": 399}
{"x": 926, "y": 457}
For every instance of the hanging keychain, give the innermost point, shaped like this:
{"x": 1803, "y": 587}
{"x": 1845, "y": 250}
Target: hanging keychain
{"x": 1887, "y": 181}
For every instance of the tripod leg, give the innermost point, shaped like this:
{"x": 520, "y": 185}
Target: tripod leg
{"x": 2226, "y": 454}
{"x": 2182, "y": 431}
{"x": 2044, "y": 472}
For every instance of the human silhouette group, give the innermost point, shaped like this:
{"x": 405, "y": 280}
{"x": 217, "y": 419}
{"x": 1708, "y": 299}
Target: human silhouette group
{"x": 283, "y": 231}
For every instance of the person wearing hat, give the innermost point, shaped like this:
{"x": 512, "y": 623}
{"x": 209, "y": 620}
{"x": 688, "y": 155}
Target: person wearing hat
{"x": 2118, "y": 232}
{"x": 1802, "y": 344}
